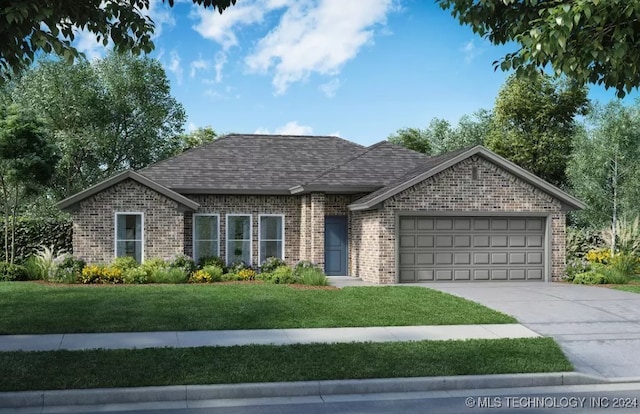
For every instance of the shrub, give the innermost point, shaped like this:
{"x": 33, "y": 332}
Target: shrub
{"x": 281, "y": 275}
{"x": 214, "y": 271}
{"x": 69, "y": 269}
{"x": 34, "y": 232}
{"x": 48, "y": 260}
{"x": 614, "y": 276}
{"x": 247, "y": 274}
{"x": 589, "y": 278}
{"x": 271, "y": 264}
{"x": 625, "y": 263}
{"x": 237, "y": 267}
{"x": 211, "y": 261}
{"x": 135, "y": 275}
{"x": 601, "y": 255}
{"x": 183, "y": 262}
{"x": 10, "y": 272}
{"x": 172, "y": 275}
{"x": 312, "y": 276}
{"x": 231, "y": 277}
{"x": 576, "y": 266}
{"x": 124, "y": 263}
{"x": 627, "y": 238}
{"x": 200, "y": 276}
{"x": 305, "y": 264}
{"x": 101, "y": 274}
{"x": 153, "y": 264}
{"x": 580, "y": 241}
{"x": 32, "y": 269}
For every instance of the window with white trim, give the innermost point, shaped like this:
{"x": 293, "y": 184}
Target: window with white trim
{"x": 239, "y": 238}
{"x": 271, "y": 236}
{"x": 206, "y": 236}
{"x": 129, "y": 235}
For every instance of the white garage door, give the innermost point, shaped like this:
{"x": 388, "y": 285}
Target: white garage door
{"x": 452, "y": 249}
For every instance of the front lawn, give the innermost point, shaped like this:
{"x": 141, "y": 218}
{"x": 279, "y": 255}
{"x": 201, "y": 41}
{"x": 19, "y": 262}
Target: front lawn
{"x": 267, "y": 363}
{"x": 38, "y": 308}
{"x": 629, "y": 288}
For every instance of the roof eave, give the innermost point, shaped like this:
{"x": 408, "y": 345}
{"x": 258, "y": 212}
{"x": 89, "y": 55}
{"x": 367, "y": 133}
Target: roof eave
{"x": 71, "y": 203}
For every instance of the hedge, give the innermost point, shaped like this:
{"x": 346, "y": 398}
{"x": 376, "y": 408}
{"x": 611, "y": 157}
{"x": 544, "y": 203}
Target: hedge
{"x": 31, "y": 233}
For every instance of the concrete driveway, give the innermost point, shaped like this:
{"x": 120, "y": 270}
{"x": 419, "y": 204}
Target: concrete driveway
{"x": 598, "y": 328}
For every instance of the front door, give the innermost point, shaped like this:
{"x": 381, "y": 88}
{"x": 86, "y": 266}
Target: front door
{"x": 335, "y": 245}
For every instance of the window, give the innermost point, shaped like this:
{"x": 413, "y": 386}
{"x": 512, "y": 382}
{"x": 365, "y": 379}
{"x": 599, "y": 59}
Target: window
{"x": 239, "y": 238}
{"x": 129, "y": 235}
{"x": 206, "y": 240}
{"x": 271, "y": 236}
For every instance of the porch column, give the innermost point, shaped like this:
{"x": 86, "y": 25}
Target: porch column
{"x": 317, "y": 228}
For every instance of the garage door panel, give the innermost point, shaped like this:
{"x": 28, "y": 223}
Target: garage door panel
{"x": 471, "y": 248}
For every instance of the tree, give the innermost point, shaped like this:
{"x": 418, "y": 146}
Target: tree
{"x": 112, "y": 114}
{"x": 196, "y": 138}
{"x": 591, "y": 41}
{"x": 440, "y": 137}
{"x": 604, "y": 169}
{"x": 27, "y": 161}
{"x": 27, "y": 27}
{"x": 534, "y": 124}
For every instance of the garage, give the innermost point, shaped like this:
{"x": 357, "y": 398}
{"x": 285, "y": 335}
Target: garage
{"x": 463, "y": 249}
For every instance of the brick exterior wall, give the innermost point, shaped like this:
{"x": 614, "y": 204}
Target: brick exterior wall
{"x": 222, "y": 205}
{"x": 453, "y": 190}
{"x": 94, "y": 222}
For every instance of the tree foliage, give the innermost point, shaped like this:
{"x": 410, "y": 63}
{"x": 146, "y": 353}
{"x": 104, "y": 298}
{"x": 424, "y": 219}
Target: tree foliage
{"x": 112, "y": 114}
{"x": 197, "y": 138}
{"x": 28, "y": 27}
{"x": 27, "y": 161}
{"x": 534, "y": 123}
{"x": 604, "y": 170}
{"x": 440, "y": 136}
{"x": 591, "y": 41}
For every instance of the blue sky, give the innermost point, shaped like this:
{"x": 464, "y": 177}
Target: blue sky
{"x": 360, "y": 69}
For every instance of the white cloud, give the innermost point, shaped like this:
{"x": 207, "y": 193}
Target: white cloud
{"x": 199, "y": 64}
{"x": 191, "y": 127}
{"x": 317, "y": 36}
{"x": 290, "y": 128}
{"x": 161, "y": 15}
{"x": 174, "y": 66}
{"x": 221, "y": 59}
{"x": 330, "y": 88}
{"x": 471, "y": 51}
{"x": 335, "y": 134}
{"x": 87, "y": 43}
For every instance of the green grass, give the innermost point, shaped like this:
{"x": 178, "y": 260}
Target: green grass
{"x": 28, "y": 307}
{"x": 628, "y": 288}
{"x": 263, "y": 363}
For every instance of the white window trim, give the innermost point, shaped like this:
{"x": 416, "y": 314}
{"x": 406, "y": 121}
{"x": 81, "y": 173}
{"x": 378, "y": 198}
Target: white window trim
{"x": 193, "y": 232}
{"x": 115, "y": 231}
{"x": 226, "y": 234}
{"x": 260, "y": 235}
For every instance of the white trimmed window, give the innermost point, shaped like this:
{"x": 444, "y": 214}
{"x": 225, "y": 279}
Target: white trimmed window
{"x": 271, "y": 236}
{"x": 206, "y": 236}
{"x": 129, "y": 229}
{"x": 239, "y": 238}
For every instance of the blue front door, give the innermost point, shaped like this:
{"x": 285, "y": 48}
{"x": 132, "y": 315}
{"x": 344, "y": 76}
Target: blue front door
{"x": 335, "y": 245}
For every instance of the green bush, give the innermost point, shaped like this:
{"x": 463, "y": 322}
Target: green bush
{"x": 48, "y": 260}
{"x": 281, "y": 275}
{"x": 576, "y": 266}
{"x": 10, "y": 272}
{"x": 312, "y": 276}
{"x": 231, "y": 277}
{"x": 135, "y": 275}
{"x": 211, "y": 261}
{"x": 614, "y": 276}
{"x": 237, "y": 267}
{"x": 32, "y": 269}
{"x": 124, "y": 263}
{"x": 589, "y": 278}
{"x": 625, "y": 263}
{"x": 215, "y": 272}
{"x": 271, "y": 264}
{"x": 32, "y": 233}
{"x": 153, "y": 264}
{"x": 69, "y": 269}
{"x": 173, "y": 275}
{"x": 101, "y": 274}
{"x": 183, "y": 262}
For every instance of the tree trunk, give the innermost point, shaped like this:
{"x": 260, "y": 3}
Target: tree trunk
{"x": 614, "y": 218}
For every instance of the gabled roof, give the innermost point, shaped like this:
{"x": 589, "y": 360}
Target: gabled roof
{"x": 369, "y": 169}
{"x": 72, "y": 202}
{"x": 251, "y": 164}
{"x": 440, "y": 163}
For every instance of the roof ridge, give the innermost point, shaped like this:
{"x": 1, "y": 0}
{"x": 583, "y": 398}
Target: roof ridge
{"x": 347, "y": 160}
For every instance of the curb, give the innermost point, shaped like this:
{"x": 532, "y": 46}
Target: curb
{"x": 186, "y": 393}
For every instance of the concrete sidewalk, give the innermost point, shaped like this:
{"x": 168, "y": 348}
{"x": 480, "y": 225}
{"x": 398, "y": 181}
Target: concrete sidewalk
{"x": 191, "y": 339}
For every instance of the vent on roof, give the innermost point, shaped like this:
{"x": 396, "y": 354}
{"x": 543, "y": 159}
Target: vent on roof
{"x": 474, "y": 173}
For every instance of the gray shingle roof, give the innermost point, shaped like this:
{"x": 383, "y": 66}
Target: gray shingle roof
{"x": 251, "y": 163}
